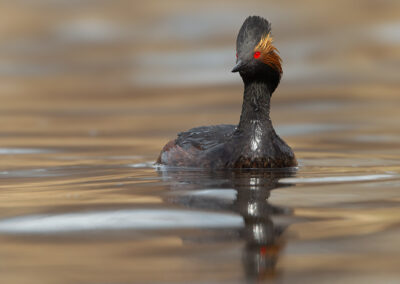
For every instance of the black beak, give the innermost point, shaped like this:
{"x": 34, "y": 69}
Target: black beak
{"x": 238, "y": 66}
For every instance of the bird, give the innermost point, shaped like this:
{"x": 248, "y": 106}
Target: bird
{"x": 253, "y": 142}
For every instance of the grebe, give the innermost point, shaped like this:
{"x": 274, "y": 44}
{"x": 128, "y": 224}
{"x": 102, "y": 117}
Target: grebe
{"x": 252, "y": 143}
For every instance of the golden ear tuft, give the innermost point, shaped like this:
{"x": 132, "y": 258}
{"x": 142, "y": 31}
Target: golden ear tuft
{"x": 265, "y": 43}
{"x": 269, "y": 53}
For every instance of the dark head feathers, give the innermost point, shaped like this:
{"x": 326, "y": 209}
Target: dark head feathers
{"x": 253, "y": 28}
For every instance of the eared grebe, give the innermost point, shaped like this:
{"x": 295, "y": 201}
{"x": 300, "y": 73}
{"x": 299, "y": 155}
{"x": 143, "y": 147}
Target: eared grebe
{"x": 253, "y": 143}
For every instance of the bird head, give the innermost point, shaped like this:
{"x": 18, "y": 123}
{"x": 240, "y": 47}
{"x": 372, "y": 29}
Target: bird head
{"x": 256, "y": 56}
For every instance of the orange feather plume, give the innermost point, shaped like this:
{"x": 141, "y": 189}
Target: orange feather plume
{"x": 269, "y": 53}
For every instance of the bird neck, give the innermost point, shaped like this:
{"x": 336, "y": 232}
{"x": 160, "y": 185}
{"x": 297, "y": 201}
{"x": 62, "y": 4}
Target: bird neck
{"x": 256, "y": 106}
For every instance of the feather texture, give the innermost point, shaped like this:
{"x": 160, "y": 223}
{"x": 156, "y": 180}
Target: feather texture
{"x": 269, "y": 53}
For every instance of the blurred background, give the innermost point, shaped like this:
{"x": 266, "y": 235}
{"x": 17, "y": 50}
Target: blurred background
{"x": 91, "y": 90}
{"x": 127, "y": 71}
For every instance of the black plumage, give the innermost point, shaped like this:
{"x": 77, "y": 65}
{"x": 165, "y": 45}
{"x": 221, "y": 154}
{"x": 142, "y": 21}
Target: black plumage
{"x": 252, "y": 143}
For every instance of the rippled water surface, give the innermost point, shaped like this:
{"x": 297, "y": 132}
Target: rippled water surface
{"x": 90, "y": 94}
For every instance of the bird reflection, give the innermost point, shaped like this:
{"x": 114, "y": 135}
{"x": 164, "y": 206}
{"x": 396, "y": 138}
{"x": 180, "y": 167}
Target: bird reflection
{"x": 244, "y": 192}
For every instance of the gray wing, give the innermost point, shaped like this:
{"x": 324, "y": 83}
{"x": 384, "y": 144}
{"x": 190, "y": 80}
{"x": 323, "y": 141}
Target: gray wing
{"x": 205, "y": 137}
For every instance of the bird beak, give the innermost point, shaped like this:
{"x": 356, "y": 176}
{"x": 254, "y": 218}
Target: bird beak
{"x": 238, "y": 66}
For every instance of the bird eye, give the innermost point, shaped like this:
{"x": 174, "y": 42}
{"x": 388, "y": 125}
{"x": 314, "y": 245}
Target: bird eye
{"x": 257, "y": 54}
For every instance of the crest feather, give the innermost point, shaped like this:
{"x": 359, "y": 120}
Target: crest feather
{"x": 269, "y": 52}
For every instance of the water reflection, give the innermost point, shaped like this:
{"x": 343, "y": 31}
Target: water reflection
{"x": 243, "y": 192}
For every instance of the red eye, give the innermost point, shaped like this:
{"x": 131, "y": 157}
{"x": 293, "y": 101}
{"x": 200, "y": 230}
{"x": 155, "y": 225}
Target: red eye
{"x": 257, "y": 54}
{"x": 236, "y": 55}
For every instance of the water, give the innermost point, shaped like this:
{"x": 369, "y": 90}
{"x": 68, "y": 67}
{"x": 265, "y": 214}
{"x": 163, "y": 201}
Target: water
{"x": 105, "y": 220}
{"x": 90, "y": 93}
